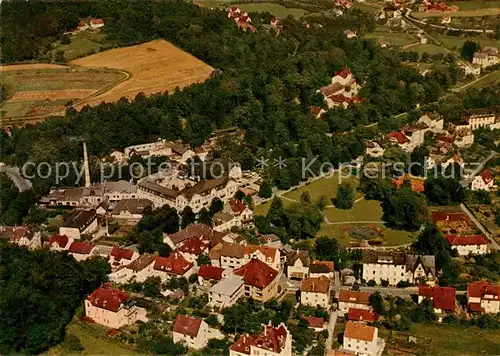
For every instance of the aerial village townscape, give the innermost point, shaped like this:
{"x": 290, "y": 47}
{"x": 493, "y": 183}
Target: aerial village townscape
{"x": 270, "y": 178}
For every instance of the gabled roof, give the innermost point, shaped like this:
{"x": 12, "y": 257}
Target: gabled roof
{"x": 121, "y": 253}
{"x": 361, "y": 315}
{"x": 359, "y": 331}
{"x": 442, "y": 297}
{"x": 316, "y": 110}
{"x": 480, "y": 289}
{"x": 257, "y": 273}
{"x": 210, "y": 272}
{"x": 314, "y": 322}
{"x": 107, "y": 298}
{"x": 187, "y": 325}
{"x": 196, "y": 230}
{"x": 133, "y": 206}
{"x": 450, "y": 217}
{"x": 272, "y": 338}
{"x": 243, "y": 344}
{"x": 398, "y": 136}
{"x": 97, "y": 21}
{"x": 352, "y": 296}
{"x": 174, "y": 263}
{"x": 486, "y": 176}
{"x": 82, "y": 248}
{"x": 141, "y": 262}
{"x": 315, "y": 285}
{"x": 302, "y": 255}
{"x": 237, "y": 206}
{"x": 344, "y": 72}
{"x": 318, "y": 266}
{"x": 194, "y": 245}
{"x": 60, "y": 240}
{"x": 466, "y": 240}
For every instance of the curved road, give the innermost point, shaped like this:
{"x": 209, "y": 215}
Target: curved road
{"x": 14, "y": 174}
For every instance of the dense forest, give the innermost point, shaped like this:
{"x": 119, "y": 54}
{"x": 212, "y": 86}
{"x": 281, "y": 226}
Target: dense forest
{"x": 33, "y": 311}
{"x": 264, "y": 84}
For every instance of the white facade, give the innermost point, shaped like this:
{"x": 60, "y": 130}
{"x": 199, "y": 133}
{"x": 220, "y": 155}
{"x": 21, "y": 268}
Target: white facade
{"x": 297, "y": 270}
{"x": 75, "y": 233}
{"x": 226, "y": 292}
{"x": 362, "y": 347}
{"x": 465, "y": 250}
{"x": 478, "y": 183}
{"x": 345, "y": 306}
{"x": 314, "y": 299}
{"x": 193, "y": 342}
{"x": 115, "y": 320}
{"x": 385, "y": 271}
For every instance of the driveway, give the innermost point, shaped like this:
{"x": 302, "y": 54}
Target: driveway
{"x": 331, "y": 329}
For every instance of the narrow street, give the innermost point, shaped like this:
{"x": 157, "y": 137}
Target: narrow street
{"x": 331, "y": 329}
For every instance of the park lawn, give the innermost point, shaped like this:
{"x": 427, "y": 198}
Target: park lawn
{"x": 428, "y": 47}
{"x": 391, "y": 38}
{"x": 455, "y": 339}
{"x": 325, "y": 186}
{"x": 456, "y": 43}
{"x": 277, "y": 10}
{"x": 486, "y": 80}
{"x": 390, "y": 237}
{"x": 94, "y": 339}
{"x": 363, "y": 210}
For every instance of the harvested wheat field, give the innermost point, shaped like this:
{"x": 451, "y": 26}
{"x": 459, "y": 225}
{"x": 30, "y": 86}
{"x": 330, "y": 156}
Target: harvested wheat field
{"x": 154, "y": 67}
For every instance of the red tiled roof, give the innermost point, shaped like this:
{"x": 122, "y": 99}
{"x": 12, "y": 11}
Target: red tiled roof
{"x": 107, "y": 298}
{"x": 352, "y": 296}
{"x": 479, "y": 289}
{"x": 174, "y": 263}
{"x": 344, "y": 73}
{"x": 82, "y": 248}
{"x": 399, "y": 136}
{"x": 466, "y": 240}
{"x": 237, "y": 206}
{"x": 442, "y": 297}
{"x": 359, "y": 331}
{"x": 119, "y": 253}
{"x": 329, "y": 264}
{"x": 210, "y": 272}
{"x": 194, "y": 245}
{"x": 60, "y": 240}
{"x": 361, "y": 315}
{"x": 198, "y": 230}
{"x": 450, "y": 217}
{"x": 316, "y": 110}
{"x": 257, "y": 273}
{"x": 314, "y": 322}
{"x": 486, "y": 176}
{"x": 417, "y": 184}
{"x": 267, "y": 251}
{"x": 187, "y": 325}
{"x": 476, "y": 307}
{"x": 272, "y": 338}
{"x": 97, "y": 21}
{"x": 243, "y": 344}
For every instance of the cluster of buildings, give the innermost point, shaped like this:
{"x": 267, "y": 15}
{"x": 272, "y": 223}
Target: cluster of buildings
{"x": 436, "y": 6}
{"x": 92, "y": 24}
{"x": 343, "y": 90}
{"x": 241, "y": 18}
{"x": 460, "y": 233}
{"x": 486, "y": 57}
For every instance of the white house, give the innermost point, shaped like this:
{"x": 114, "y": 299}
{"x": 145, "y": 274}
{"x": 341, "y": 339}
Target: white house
{"x": 315, "y": 291}
{"x": 96, "y": 23}
{"x": 343, "y": 90}
{"x": 121, "y": 256}
{"x": 131, "y": 209}
{"x": 138, "y": 270}
{"x": 234, "y": 255}
{"x": 272, "y": 341}
{"x": 396, "y": 267}
{"x": 321, "y": 268}
{"x": 224, "y": 222}
{"x": 80, "y": 222}
{"x": 483, "y": 297}
{"x": 226, "y": 292}
{"x": 174, "y": 265}
{"x": 483, "y": 181}
{"x": 353, "y": 299}
{"x": 82, "y": 250}
{"x": 487, "y": 57}
{"x": 443, "y": 298}
{"x": 362, "y": 339}
{"x": 59, "y": 242}
{"x": 193, "y": 332}
{"x": 468, "y": 244}
{"x": 297, "y": 264}
{"x": 374, "y": 149}
{"x": 21, "y": 236}
{"x": 113, "y": 308}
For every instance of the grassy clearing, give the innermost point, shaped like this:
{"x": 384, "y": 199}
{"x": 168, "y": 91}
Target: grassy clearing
{"x": 475, "y": 5}
{"x": 95, "y": 341}
{"x": 429, "y": 48}
{"x": 363, "y": 210}
{"x": 326, "y": 186}
{"x": 492, "y": 11}
{"x": 456, "y": 43}
{"x": 455, "y": 339}
{"x": 277, "y": 10}
{"x": 391, "y": 38}
{"x": 484, "y": 81}
{"x": 82, "y": 44}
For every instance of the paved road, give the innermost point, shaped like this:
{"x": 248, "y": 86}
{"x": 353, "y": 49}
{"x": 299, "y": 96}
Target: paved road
{"x": 331, "y": 329}
{"x": 15, "y": 175}
{"x": 466, "y": 181}
{"x": 493, "y": 243}
{"x": 398, "y": 292}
